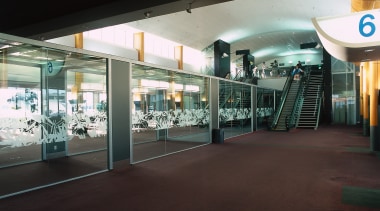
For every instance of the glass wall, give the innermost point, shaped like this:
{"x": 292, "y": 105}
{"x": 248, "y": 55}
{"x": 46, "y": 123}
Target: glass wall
{"x": 53, "y": 120}
{"x": 170, "y": 111}
{"x": 234, "y": 108}
{"x": 343, "y": 92}
{"x": 266, "y": 100}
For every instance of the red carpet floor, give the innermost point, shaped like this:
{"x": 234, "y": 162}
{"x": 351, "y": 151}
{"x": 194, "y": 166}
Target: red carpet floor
{"x": 297, "y": 170}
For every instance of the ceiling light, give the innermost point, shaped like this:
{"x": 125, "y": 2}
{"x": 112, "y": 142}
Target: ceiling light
{"x": 369, "y": 50}
{"x": 238, "y": 52}
{"x": 224, "y": 55}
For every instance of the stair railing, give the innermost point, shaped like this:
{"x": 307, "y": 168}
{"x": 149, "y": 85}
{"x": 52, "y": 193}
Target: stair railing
{"x": 284, "y": 95}
{"x": 297, "y": 104}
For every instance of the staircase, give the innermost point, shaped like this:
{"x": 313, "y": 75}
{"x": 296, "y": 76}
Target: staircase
{"x": 309, "y": 115}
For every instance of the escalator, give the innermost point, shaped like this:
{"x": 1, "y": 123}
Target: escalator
{"x": 300, "y": 102}
{"x": 290, "y": 105}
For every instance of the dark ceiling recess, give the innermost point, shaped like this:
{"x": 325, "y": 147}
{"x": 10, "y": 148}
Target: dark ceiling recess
{"x": 47, "y": 20}
{"x": 309, "y": 45}
{"x": 242, "y": 52}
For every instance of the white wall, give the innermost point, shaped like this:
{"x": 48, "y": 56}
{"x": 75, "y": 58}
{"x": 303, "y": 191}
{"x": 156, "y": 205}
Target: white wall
{"x": 272, "y": 83}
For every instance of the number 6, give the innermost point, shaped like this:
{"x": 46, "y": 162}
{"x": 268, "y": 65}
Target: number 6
{"x": 363, "y": 24}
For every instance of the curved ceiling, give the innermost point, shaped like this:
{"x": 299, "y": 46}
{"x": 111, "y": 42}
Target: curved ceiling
{"x": 269, "y": 29}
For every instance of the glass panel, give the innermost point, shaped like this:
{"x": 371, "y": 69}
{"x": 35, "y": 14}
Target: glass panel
{"x": 245, "y": 112}
{"x": 234, "y": 108}
{"x": 86, "y": 106}
{"x": 343, "y": 98}
{"x": 343, "y": 92}
{"x": 265, "y": 107}
{"x": 38, "y": 127}
{"x": 170, "y": 112}
{"x": 19, "y": 104}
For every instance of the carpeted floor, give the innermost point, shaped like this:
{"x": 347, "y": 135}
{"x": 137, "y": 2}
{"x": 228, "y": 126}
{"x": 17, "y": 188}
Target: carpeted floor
{"x": 327, "y": 169}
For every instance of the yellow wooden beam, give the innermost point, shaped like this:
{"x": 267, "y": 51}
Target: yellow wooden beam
{"x": 76, "y": 90}
{"x": 362, "y": 5}
{"x": 178, "y": 55}
{"x": 138, "y": 44}
{"x": 4, "y": 70}
{"x": 373, "y": 93}
{"x": 79, "y": 40}
{"x": 361, "y": 89}
{"x": 365, "y": 91}
{"x": 369, "y": 77}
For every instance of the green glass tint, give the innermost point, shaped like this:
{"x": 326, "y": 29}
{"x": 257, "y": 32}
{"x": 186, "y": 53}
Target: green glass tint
{"x": 170, "y": 111}
{"x": 234, "y": 108}
{"x": 53, "y": 115}
{"x": 265, "y": 107}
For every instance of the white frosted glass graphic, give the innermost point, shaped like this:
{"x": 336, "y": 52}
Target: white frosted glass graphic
{"x": 38, "y": 129}
{"x": 158, "y": 120}
{"x": 230, "y": 114}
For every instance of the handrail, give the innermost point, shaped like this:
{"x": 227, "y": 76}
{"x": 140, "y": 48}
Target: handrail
{"x": 320, "y": 94}
{"x": 283, "y": 99}
{"x": 305, "y": 88}
{"x": 298, "y": 103}
{"x": 238, "y": 76}
{"x": 302, "y": 90}
{"x": 319, "y": 109}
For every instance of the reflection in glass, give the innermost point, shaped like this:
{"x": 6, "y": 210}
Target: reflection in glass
{"x": 52, "y": 108}
{"x": 170, "y": 112}
{"x": 265, "y": 107}
{"x": 343, "y": 92}
{"x": 343, "y": 98}
{"x": 234, "y": 108}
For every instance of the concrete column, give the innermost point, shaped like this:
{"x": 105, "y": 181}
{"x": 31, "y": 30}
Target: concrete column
{"x": 120, "y": 107}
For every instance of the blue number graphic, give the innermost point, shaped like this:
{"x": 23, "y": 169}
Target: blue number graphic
{"x": 50, "y": 67}
{"x": 363, "y": 23}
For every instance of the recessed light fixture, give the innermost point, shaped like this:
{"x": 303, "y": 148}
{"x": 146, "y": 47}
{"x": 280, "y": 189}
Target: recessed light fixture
{"x": 369, "y": 50}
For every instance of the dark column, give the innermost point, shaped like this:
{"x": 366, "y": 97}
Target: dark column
{"x": 375, "y": 141}
{"x": 327, "y": 103}
{"x": 248, "y": 64}
{"x": 222, "y": 65}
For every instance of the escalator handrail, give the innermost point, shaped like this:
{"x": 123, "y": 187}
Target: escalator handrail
{"x": 283, "y": 99}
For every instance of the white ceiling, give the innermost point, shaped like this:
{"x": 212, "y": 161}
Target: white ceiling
{"x": 269, "y": 29}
